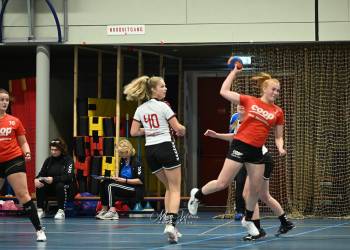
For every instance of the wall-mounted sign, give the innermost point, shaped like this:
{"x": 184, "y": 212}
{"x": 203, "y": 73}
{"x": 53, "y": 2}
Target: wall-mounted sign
{"x": 121, "y": 30}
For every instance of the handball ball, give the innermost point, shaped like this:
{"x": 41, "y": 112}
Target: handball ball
{"x": 235, "y": 60}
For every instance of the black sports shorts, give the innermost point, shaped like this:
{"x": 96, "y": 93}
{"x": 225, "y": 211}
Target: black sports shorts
{"x": 162, "y": 156}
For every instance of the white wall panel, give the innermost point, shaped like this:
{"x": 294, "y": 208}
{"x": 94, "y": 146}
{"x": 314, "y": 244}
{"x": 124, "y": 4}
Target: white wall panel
{"x": 213, "y": 33}
{"x": 43, "y": 14}
{"x": 16, "y": 13}
{"x": 185, "y": 21}
{"x": 334, "y": 20}
{"x": 250, "y": 11}
{"x": 335, "y": 31}
{"x": 92, "y": 12}
{"x": 330, "y": 11}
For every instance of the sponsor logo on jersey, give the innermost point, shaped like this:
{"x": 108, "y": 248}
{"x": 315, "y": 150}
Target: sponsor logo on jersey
{"x": 175, "y": 151}
{"x": 139, "y": 171}
{"x": 5, "y": 131}
{"x": 236, "y": 154}
{"x": 256, "y": 109}
{"x": 70, "y": 168}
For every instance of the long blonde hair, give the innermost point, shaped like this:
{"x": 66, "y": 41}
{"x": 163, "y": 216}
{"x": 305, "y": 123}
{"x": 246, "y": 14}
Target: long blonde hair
{"x": 126, "y": 146}
{"x": 263, "y": 80}
{"x": 140, "y": 88}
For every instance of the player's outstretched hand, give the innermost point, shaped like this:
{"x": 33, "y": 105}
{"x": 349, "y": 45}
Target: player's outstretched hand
{"x": 210, "y": 133}
{"x": 282, "y": 152}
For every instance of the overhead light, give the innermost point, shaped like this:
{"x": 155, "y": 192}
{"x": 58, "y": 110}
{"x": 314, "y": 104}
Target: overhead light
{"x": 247, "y": 60}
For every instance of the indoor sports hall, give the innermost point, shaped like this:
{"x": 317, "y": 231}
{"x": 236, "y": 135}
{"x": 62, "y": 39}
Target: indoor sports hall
{"x": 66, "y": 71}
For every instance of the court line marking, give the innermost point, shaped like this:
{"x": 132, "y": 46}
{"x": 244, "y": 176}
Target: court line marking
{"x": 288, "y": 236}
{"x": 203, "y": 240}
{"x": 41, "y": 245}
{"x": 100, "y": 233}
{"x": 256, "y": 242}
{"x": 212, "y": 229}
{"x": 245, "y": 245}
{"x": 103, "y": 223}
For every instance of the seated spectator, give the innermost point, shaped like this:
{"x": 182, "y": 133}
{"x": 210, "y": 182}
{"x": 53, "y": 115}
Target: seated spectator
{"x": 127, "y": 186}
{"x": 56, "y": 179}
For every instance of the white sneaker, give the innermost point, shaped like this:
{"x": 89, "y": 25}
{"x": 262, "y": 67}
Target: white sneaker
{"x": 193, "y": 203}
{"x": 173, "y": 234}
{"x": 110, "y": 216}
{"x": 40, "y": 235}
{"x": 60, "y": 215}
{"x": 178, "y": 234}
{"x": 251, "y": 228}
{"x": 100, "y": 214}
{"x": 41, "y": 213}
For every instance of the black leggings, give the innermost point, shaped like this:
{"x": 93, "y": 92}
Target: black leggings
{"x": 111, "y": 191}
{"x": 59, "y": 190}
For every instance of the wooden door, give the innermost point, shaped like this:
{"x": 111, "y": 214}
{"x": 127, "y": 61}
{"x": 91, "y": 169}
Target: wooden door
{"x": 213, "y": 113}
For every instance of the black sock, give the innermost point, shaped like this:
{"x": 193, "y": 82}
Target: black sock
{"x": 171, "y": 218}
{"x": 199, "y": 195}
{"x": 32, "y": 213}
{"x": 257, "y": 223}
{"x": 248, "y": 215}
{"x": 283, "y": 219}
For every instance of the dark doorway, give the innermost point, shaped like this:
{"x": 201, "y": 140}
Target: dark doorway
{"x": 213, "y": 113}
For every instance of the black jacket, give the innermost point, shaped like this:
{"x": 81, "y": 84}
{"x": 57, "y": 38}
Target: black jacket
{"x": 60, "y": 168}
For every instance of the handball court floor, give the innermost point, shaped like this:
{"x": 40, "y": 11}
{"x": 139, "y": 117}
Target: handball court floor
{"x": 200, "y": 232}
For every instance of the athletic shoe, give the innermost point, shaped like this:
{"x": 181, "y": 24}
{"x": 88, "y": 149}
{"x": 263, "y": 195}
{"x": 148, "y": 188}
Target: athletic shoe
{"x": 100, "y": 214}
{"x": 110, "y": 216}
{"x": 41, "y": 213}
{"x": 285, "y": 228}
{"x": 40, "y": 235}
{"x": 248, "y": 237}
{"x": 173, "y": 234}
{"x": 193, "y": 202}
{"x": 239, "y": 216}
{"x": 60, "y": 215}
{"x": 179, "y": 235}
{"x": 251, "y": 228}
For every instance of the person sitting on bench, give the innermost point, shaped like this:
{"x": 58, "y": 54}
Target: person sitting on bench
{"x": 56, "y": 178}
{"x": 128, "y": 185}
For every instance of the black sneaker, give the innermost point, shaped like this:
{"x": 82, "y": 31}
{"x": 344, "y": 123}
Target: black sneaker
{"x": 249, "y": 237}
{"x": 285, "y": 228}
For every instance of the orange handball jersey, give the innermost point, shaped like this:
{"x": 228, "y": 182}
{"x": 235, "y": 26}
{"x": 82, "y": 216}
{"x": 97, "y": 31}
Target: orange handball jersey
{"x": 259, "y": 118}
{"x": 10, "y": 128}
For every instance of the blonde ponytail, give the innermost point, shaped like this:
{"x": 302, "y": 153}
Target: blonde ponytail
{"x": 141, "y": 88}
{"x": 136, "y": 90}
{"x": 261, "y": 79}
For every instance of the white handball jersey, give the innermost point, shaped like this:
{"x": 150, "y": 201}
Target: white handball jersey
{"x": 154, "y": 116}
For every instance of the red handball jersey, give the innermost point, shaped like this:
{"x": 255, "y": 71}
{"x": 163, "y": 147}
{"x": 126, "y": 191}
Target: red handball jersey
{"x": 10, "y": 128}
{"x": 260, "y": 117}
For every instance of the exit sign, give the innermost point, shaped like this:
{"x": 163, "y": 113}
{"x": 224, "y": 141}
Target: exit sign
{"x": 121, "y": 30}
